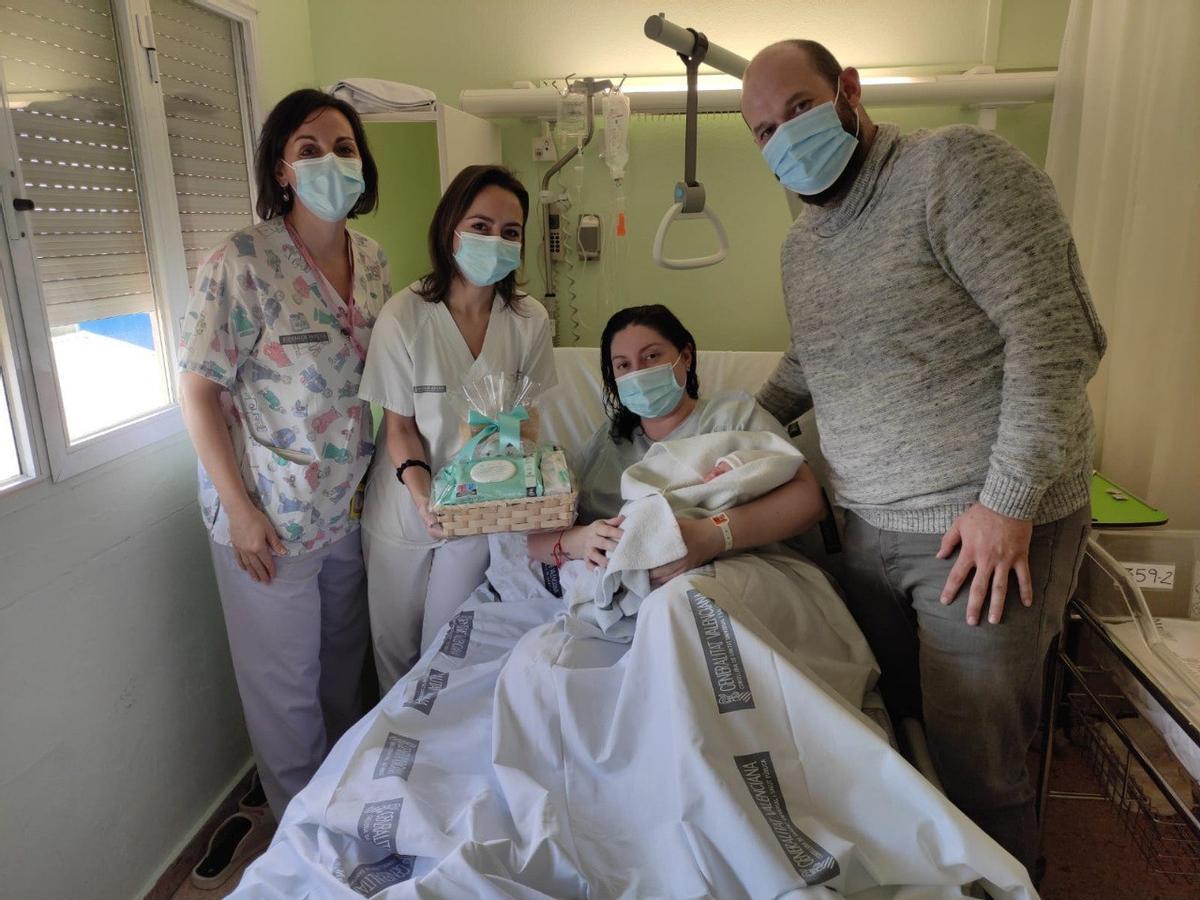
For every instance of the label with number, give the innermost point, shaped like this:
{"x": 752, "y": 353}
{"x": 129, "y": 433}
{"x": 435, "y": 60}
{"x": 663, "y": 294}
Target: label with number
{"x": 1152, "y": 576}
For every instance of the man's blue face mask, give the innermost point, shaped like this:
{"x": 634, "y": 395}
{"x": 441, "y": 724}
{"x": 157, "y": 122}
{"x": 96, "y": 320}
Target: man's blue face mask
{"x": 650, "y": 393}
{"x": 808, "y": 153}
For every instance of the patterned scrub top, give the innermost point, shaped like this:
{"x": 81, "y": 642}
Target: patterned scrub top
{"x": 271, "y": 331}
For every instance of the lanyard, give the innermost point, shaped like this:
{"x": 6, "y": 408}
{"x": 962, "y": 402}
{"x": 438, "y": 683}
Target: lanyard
{"x": 342, "y": 311}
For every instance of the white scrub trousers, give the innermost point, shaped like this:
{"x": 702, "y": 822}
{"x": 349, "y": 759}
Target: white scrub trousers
{"x": 298, "y": 647}
{"x": 414, "y": 592}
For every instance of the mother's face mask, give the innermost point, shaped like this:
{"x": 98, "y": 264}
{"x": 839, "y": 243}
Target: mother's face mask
{"x": 651, "y": 393}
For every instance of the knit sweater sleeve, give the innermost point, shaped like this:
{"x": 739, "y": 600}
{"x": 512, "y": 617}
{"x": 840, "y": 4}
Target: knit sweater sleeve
{"x": 785, "y": 393}
{"x": 997, "y": 229}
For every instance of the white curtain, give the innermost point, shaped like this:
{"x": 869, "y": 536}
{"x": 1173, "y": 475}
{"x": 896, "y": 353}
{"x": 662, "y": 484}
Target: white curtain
{"x": 1125, "y": 155}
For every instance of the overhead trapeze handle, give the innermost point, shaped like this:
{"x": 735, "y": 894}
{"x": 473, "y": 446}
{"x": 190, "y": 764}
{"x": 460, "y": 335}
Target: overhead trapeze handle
{"x": 674, "y": 214}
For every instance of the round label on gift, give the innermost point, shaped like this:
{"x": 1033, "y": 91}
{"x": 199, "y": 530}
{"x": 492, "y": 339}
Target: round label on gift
{"x": 492, "y": 470}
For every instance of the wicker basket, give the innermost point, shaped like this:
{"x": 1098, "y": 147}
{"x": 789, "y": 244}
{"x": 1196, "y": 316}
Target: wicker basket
{"x": 499, "y": 516}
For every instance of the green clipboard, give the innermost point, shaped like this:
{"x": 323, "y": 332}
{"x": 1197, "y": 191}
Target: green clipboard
{"x": 1115, "y": 507}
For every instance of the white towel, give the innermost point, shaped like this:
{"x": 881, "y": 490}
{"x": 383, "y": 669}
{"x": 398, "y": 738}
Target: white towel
{"x": 375, "y": 95}
{"x": 666, "y": 485}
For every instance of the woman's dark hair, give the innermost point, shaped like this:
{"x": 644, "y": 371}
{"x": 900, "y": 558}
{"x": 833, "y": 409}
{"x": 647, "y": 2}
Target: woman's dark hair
{"x": 662, "y": 320}
{"x": 466, "y": 186}
{"x": 288, "y": 115}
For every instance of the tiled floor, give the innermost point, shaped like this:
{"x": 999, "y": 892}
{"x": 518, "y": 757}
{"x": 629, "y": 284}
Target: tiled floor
{"x": 1089, "y": 854}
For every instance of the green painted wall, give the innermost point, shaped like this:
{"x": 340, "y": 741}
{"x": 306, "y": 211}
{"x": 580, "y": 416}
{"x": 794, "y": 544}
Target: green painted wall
{"x": 285, "y": 51}
{"x": 738, "y": 304}
{"x": 1031, "y": 33}
{"x": 407, "y": 157}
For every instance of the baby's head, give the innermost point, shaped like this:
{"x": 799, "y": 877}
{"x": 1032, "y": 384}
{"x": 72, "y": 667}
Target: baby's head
{"x": 736, "y": 460}
{"x": 723, "y": 465}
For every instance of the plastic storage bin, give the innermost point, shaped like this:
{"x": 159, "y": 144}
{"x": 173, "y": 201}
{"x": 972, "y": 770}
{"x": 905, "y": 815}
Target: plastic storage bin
{"x": 1145, "y": 589}
{"x": 1164, "y": 564}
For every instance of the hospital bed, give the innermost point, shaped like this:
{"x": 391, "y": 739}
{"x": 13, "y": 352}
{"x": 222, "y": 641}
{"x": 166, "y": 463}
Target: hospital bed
{"x": 574, "y": 410}
{"x": 484, "y": 778}
{"x": 1127, "y": 681}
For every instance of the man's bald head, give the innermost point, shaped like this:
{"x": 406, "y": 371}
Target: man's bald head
{"x": 791, "y": 77}
{"x": 798, "y": 51}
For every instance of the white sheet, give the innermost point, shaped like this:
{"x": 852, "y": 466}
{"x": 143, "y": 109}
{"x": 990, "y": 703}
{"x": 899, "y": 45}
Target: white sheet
{"x": 1182, "y": 638}
{"x": 718, "y": 755}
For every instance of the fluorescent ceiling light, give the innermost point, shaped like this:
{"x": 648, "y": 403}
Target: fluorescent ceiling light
{"x": 896, "y": 79}
{"x": 642, "y": 84}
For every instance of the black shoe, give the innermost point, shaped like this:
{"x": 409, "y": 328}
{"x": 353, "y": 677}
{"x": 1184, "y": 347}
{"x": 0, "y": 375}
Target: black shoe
{"x": 255, "y": 799}
{"x": 236, "y": 840}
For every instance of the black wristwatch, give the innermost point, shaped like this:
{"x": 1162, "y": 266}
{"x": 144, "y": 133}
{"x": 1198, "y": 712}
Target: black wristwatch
{"x": 418, "y": 463}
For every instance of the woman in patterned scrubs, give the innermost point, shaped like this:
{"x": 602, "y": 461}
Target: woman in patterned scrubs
{"x": 274, "y": 343}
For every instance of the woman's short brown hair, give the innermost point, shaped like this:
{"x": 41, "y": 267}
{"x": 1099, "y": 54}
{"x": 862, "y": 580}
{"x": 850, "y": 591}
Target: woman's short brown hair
{"x": 466, "y": 186}
{"x": 282, "y": 122}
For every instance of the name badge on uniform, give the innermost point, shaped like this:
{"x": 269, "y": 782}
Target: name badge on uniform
{"x": 307, "y": 337}
{"x": 429, "y": 389}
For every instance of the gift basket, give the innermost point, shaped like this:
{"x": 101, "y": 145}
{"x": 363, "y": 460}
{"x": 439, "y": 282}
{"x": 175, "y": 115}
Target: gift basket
{"x": 501, "y": 479}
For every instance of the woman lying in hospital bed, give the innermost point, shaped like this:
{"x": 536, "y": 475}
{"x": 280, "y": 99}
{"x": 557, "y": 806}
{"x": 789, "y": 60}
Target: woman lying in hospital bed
{"x": 625, "y": 724}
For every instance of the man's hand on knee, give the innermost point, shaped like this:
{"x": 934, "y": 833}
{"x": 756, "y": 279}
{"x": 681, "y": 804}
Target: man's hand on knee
{"x": 993, "y": 546}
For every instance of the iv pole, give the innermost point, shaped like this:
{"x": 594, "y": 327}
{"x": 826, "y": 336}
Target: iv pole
{"x": 589, "y": 87}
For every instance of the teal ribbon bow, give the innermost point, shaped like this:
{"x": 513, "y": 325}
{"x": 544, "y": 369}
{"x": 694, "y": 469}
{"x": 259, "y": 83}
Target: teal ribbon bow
{"x": 507, "y": 424}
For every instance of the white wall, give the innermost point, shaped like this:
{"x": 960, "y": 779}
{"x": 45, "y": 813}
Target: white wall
{"x": 120, "y": 725}
{"x": 119, "y": 719}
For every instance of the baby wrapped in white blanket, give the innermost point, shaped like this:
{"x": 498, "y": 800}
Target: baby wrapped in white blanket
{"x": 690, "y": 478}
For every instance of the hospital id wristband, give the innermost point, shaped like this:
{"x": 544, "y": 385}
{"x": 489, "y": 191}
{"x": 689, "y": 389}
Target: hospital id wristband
{"x": 722, "y": 521}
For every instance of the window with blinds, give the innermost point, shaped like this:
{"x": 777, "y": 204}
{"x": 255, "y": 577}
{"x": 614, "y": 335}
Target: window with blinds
{"x": 65, "y": 100}
{"x": 200, "y": 67}
{"x": 67, "y": 105}
{"x": 82, "y": 117}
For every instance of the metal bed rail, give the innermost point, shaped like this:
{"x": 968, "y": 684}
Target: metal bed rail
{"x": 1170, "y": 843}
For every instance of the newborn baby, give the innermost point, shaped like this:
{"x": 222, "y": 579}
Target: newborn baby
{"x": 731, "y": 461}
{"x": 708, "y": 473}
{"x": 687, "y": 478}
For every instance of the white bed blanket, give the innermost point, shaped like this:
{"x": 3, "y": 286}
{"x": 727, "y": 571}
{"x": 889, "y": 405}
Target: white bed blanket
{"x": 708, "y": 758}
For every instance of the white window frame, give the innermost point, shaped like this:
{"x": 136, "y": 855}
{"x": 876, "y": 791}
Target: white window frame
{"x": 43, "y": 444}
{"x": 22, "y": 399}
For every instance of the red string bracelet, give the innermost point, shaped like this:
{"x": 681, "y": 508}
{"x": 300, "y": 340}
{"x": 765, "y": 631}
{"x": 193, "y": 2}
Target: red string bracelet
{"x": 559, "y": 554}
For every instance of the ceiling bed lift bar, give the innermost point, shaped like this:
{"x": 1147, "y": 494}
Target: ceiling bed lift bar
{"x": 689, "y": 198}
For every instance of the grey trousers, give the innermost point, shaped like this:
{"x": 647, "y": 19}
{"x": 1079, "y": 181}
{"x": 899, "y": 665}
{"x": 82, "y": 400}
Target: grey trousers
{"x": 977, "y": 688}
{"x": 298, "y": 647}
{"x": 413, "y": 593}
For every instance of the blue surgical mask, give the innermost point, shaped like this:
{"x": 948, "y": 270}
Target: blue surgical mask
{"x": 809, "y": 152}
{"x": 330, "y": 186}
{"x": 650, "y": 393}
{"x": 485, "y": 259}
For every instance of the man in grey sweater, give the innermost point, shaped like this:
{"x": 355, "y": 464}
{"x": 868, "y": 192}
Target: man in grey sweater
{"x": 942, "y": 330}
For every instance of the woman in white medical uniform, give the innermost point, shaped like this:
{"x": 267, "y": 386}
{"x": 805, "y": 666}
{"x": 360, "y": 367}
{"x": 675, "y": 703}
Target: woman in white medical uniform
{"x": 651, "y": 393}
{"x": 275, "y": 339}
{"x": 465, "y": 319}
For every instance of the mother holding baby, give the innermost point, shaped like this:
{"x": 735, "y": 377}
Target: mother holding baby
{"x": 652, "y": 394}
